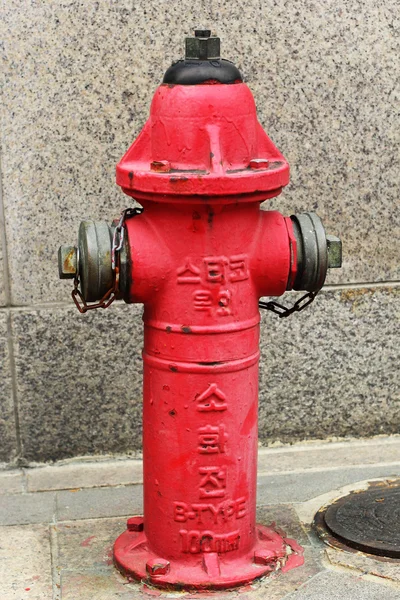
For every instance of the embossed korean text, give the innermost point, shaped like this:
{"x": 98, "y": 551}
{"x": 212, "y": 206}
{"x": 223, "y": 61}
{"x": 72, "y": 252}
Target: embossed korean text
{"x": 199, "y": 253}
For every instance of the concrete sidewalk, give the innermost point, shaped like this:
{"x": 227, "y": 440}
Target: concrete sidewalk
{"x": 58, "y": 523}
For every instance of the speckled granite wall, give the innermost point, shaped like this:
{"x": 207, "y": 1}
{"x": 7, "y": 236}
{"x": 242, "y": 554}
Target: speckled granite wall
{"x": 78, "y": 79}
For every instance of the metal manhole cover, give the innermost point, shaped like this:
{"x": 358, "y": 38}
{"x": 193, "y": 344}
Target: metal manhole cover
{"x": 368, "y": 520}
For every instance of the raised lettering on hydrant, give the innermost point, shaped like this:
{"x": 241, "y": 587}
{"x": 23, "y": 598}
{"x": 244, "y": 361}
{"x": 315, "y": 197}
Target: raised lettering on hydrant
{"x": 199, "y": 255}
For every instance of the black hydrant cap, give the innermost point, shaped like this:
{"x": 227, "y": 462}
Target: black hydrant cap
{"x": 202, "y": 63}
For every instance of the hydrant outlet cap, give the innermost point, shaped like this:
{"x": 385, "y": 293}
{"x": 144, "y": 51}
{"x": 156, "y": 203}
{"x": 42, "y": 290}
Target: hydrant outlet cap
{"x": 95, "y": 241}
{"x": 312, "y": 252}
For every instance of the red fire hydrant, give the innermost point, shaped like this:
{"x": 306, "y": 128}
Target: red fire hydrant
{"x": 199, "y": 256}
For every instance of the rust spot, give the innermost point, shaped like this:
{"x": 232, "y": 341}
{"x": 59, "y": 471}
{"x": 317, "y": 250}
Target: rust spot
{"x": 357, "y": 297}
{"x": 147, "y": 590}
{"x": 172, "y": 412}
{"x": 130, "y": 175}
{"x": 175, "y": 179}
{"x": 210, "y": 216}
{"x": 353, "y": 295}
{"x": 186, "y": 329}
{"x": 69, "y": 265}
{"x": 211, "y": 154}
{"x": 168, "y": 329}
{"x": 173, "y": 368}
{"x": 272, "y": 165}
{"x": 166, "y": 388}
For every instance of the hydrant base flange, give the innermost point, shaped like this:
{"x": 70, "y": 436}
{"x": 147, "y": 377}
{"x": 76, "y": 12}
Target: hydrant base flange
{"x": 206, "y": 568}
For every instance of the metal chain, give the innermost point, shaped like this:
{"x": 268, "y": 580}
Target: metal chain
{"x": 117, "y": 243}
{"x": 284, "y": 311}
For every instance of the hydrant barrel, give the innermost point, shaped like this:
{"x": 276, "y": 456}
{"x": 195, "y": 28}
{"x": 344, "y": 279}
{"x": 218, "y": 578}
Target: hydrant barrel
{"x": 199, "y": 256}
{"x": 200, "y": 402}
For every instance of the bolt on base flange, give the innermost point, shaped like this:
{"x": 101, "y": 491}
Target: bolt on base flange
{"x": 272, "y": 552}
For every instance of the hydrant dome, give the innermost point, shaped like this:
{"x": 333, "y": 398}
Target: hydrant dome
{"x": 203, "y": 140}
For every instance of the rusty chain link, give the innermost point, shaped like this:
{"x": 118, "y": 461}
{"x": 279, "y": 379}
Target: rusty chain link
{"x": 284, "y": 311}
{"x": 117, "y": 243}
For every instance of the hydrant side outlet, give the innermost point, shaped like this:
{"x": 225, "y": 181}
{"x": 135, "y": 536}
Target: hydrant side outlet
{"x": 199, "y": 257}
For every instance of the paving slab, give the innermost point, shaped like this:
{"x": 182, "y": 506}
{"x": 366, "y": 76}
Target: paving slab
{"x": 84, "y": 475}
{"x": 96, "y": 586}
{"x": 20, "y": 509}
{"x": 322, "y": 456}
{"x": 99, "y": 502}
{"x": 286, "y": 519}
{"x": 11, "y": 482}
{"x": 387, "y": 569}
{"x": 25, "y": 563}
{"x": 340, "y": 586}
{"x": 303, "y": 486}
{"x": 87, "y": 544}
{"x": 99, "y": 584}
{"x": 278, "y": 585}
